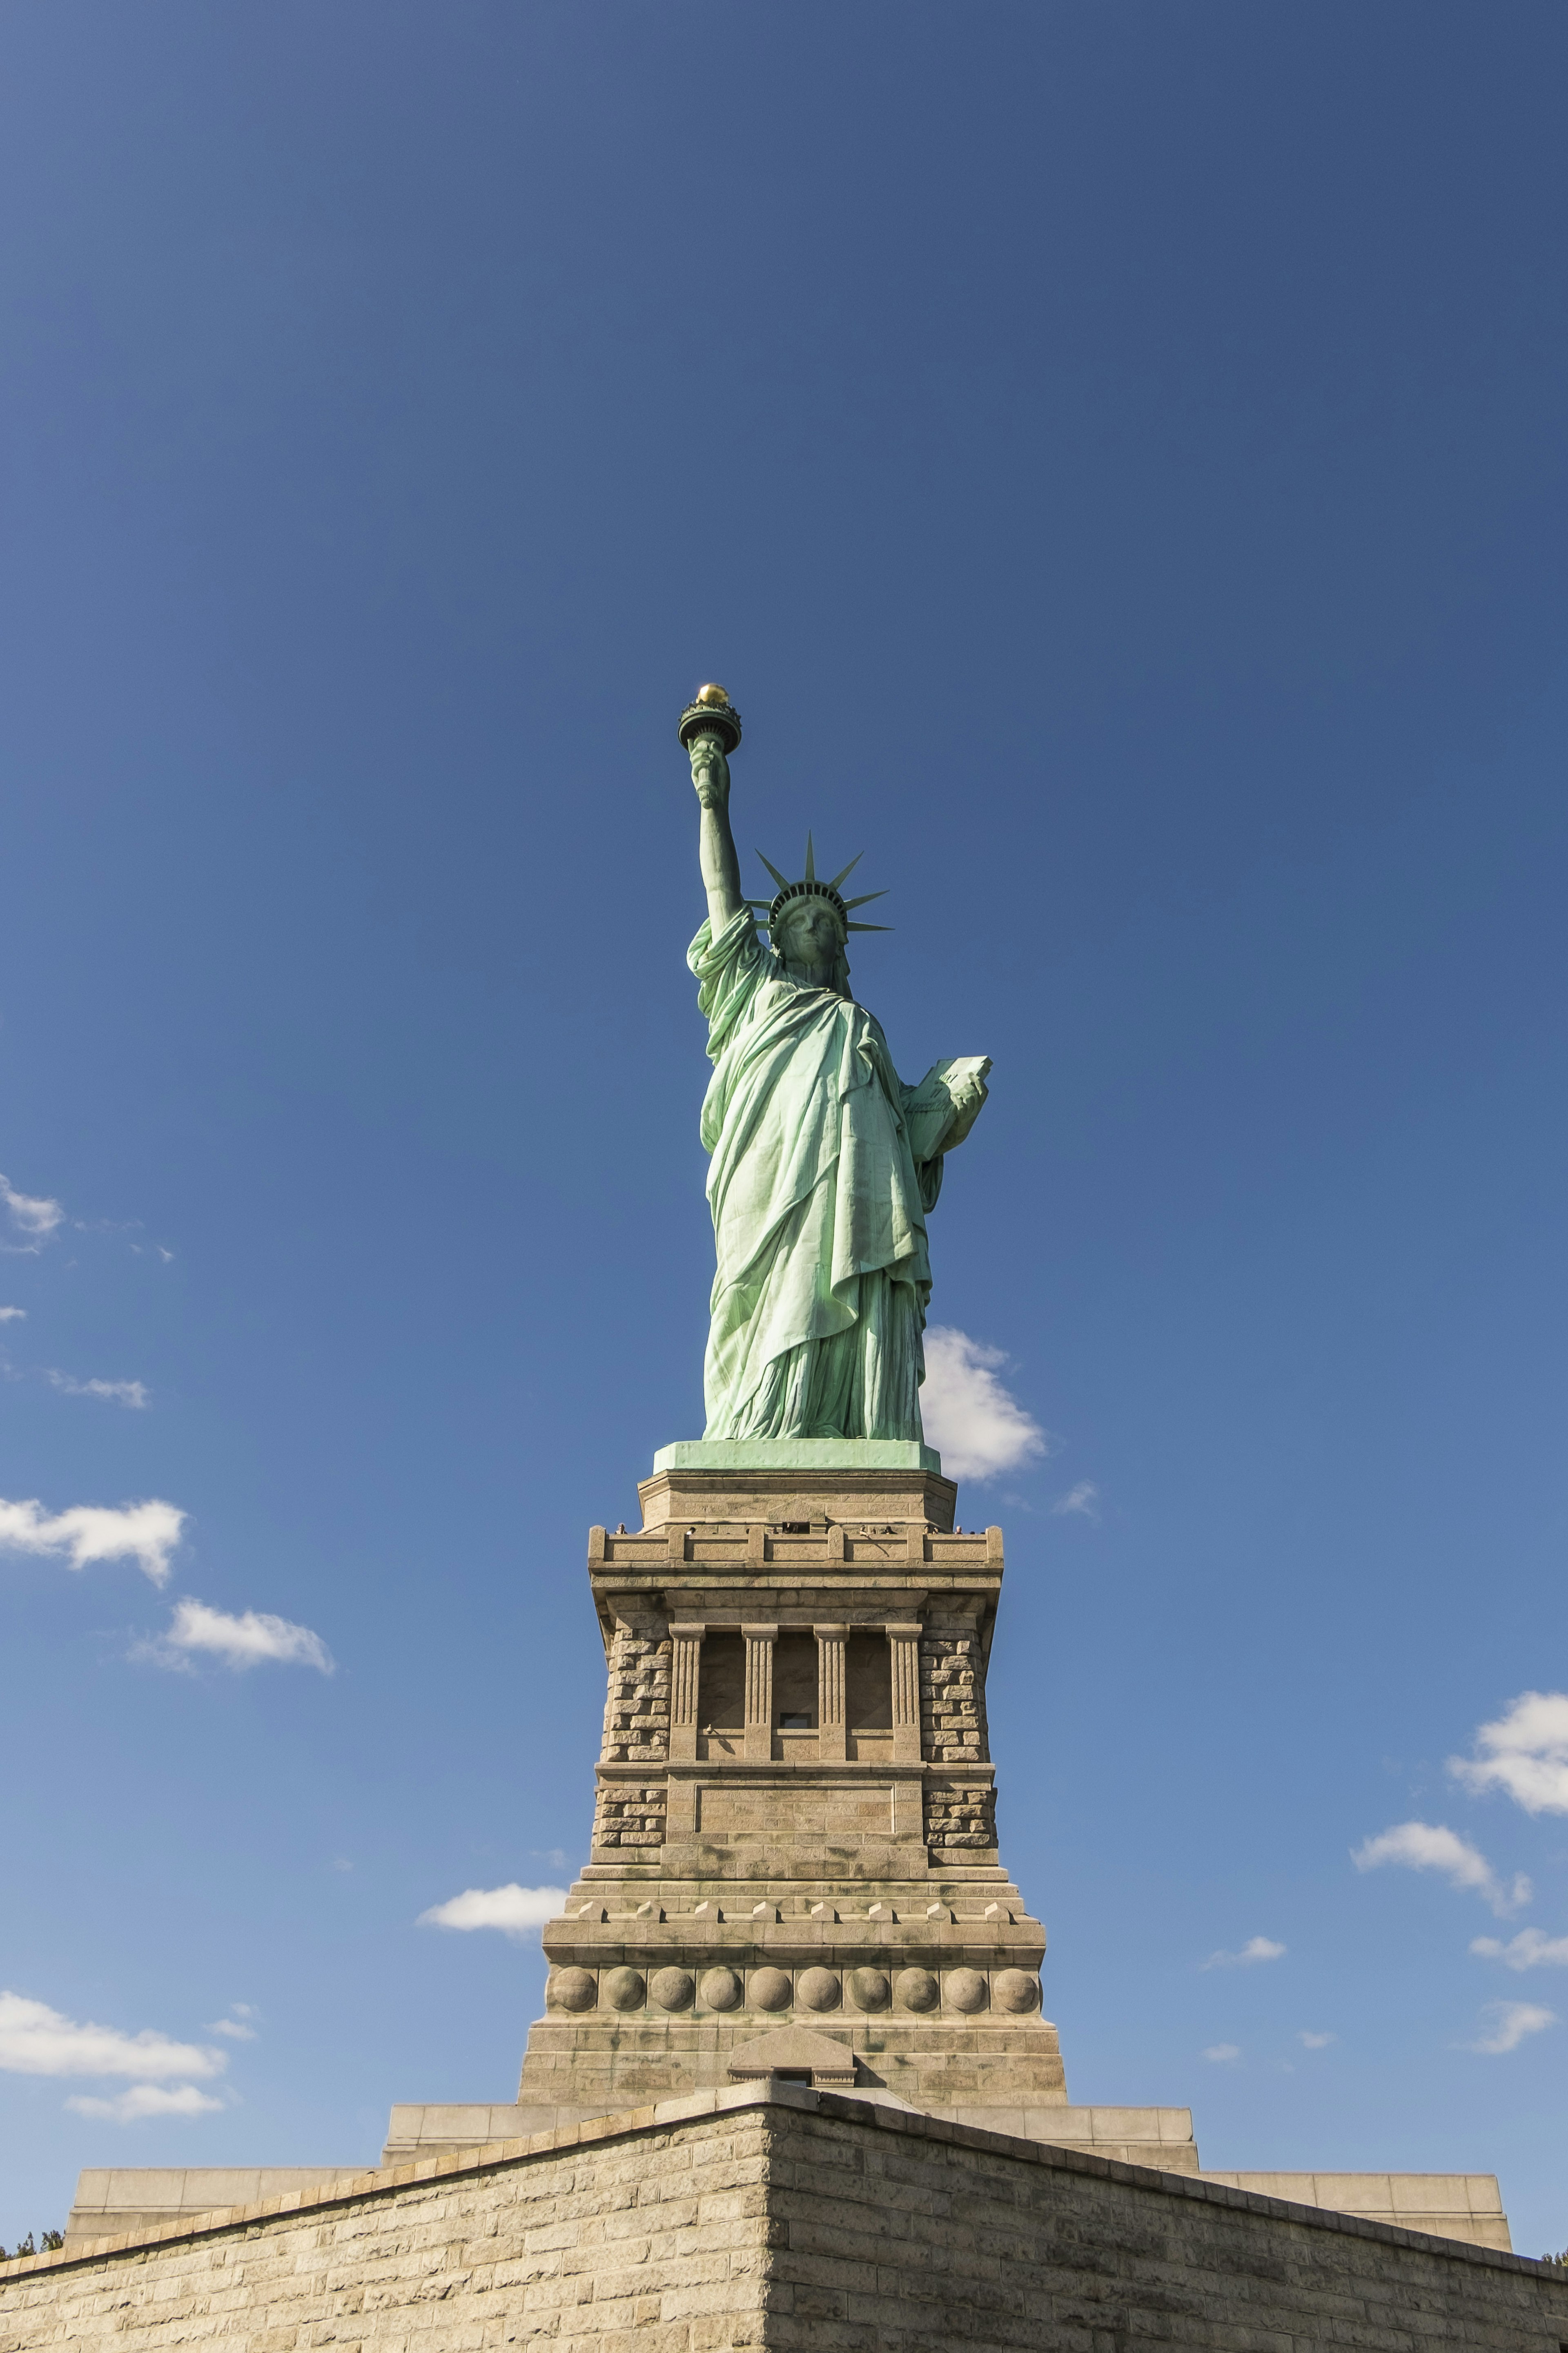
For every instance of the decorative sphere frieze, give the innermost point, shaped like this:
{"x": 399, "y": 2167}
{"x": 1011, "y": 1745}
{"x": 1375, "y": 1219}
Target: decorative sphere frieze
{"x": 769, "y": 1989}
{"x": 672, "y": 1988}
{"x": 819, "y": 1989}
{"x": 918, "y": 1990}
{"x": 966, "y": 1990}
{"x": 572, "y": 1988}
{"x": 624, "y": 1988}
{"x": 721, "y": 1989}
{"x": 870, "y": 1988}
{"x": 1015, "y": 1990}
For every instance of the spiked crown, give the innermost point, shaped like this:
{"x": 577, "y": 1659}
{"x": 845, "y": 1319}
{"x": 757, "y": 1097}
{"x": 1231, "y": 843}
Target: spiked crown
{"x": 808, "y": 887}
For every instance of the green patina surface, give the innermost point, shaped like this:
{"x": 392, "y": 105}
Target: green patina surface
{"x": 825, "y": 1164}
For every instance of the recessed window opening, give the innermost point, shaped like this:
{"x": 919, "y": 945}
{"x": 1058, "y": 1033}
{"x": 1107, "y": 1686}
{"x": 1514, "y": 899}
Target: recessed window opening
{"x": 869, "y": 1683}
{"x": 795, "y": 1681}
{"x": 722, "y": 1683}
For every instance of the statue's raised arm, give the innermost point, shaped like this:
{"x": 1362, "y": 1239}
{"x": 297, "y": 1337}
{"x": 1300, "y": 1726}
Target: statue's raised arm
{"x": 824, "y": 1164}
{"x": 710, "y": 731}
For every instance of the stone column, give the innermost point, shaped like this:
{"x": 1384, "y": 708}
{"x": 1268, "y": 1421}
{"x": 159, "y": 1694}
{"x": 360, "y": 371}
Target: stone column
{"x": 831, "y": 1742}
{"x": 760, "y": 1640}
{"x": 904, "y": 1643}
{"x": 685, "y": 1670}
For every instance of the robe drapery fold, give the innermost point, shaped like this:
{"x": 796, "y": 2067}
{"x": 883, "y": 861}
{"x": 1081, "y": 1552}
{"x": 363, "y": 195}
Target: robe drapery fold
{"x": 818, "y": 1206}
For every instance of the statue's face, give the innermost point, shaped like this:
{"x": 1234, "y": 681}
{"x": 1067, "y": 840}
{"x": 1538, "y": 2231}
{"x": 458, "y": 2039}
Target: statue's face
{"x": 812, "y": 934}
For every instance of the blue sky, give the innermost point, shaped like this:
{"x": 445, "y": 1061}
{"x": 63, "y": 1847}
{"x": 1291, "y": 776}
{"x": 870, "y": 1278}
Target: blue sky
{"x": 1115, "y": 457}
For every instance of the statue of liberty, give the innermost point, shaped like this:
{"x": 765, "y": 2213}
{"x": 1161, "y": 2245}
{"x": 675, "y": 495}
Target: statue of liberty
{"x": 825, "y": 1165}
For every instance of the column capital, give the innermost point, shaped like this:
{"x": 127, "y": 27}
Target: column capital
{"x": 761, "y": 1633}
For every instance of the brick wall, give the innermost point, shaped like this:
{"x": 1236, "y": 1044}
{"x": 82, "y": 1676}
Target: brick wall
{"x": 637, "y": 1704}
{"x": 953, "y": 1690}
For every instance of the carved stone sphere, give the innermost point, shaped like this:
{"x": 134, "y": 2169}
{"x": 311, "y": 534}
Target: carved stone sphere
{"x": 966, "y": 1990}
{"x": 626, "y": 1988}
{"x": 918, "y": 1990}
{"x": 672, "y": 1988}
{"x": 572, "y": 1988}
{"x": 870, "y": 1989}
{"x": 769, "y": 1990}
{"x": 721, "y": 1989}
{"x": 1015, "y": 1990}
{"x": 819, "y": 1989}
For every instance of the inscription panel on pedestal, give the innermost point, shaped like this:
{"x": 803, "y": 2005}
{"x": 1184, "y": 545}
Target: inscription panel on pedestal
{"x": 799, "y": 1811}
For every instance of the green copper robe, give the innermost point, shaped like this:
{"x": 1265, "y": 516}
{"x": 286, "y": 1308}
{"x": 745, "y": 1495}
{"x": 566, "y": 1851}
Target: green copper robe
{"x": 818, "y": 1204}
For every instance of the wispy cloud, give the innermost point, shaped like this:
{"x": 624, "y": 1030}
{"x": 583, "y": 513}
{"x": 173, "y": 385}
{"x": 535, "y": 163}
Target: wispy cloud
{"x": 979, "y": 1427}
{"x": 31, "y": 1216}
{"x": 516, "y": 1910}
{"x": 1524, "y": 1754}
{"x": 12, "y": 1315}
{"x": 132, "y": 1393}
{"x": 1084, "y": 1498}
{"x": 252, "y": 1638}
{"x": 1222, "y": 2053}
{"x": 146, "y": 2100}
{"x": 1431, "y": 1846}
{"x": 1257, "y": 1948}
{"x": 236, "y": 2026}
{"x": 38, "y": 2041}
{"x": 1510, "y": 2022}
{"x": 1310, "y": 2042}
{"x": 145, "y": 1532}
{"x": 1529, "y": 1950}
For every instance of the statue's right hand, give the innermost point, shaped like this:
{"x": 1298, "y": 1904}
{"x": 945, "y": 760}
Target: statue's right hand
{"x": 710, "y": 772}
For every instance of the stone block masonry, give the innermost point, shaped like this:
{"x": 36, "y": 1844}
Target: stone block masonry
{"x": 779, "y": 2217}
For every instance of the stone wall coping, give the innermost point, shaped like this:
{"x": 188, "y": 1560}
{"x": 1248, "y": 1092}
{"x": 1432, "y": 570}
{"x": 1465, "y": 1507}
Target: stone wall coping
{"x": 633, "y": 2123}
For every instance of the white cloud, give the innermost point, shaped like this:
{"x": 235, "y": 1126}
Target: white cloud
{"x": 1529, "y": 1950}
{"x": 146, "y": 2100}
{"x": 236, "y": 2026}
{"x": 30, "y": 1216}
{"x": 146, "y": 1533}
{"x": 516, "y": 1910}
{"x": 12, "y": 1315}
{"x": 250, "y": 1640}
{"x": 1221, "y": 2053}
{"x": 1430, "y": 1846}
{"x": 38, "y": 2041}
{"x": 131, "y": 1393}
{"x": 1510, "y": 2022}
{"x": 1084, "y": 1498}
{"x": 1310, "y": 2042}
{"x": 978, "y": 1427}
{"x": 1257, "y": 1948}
{"x": 1525, "y": 1754}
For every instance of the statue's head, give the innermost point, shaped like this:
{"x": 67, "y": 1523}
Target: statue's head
{"x": 808, "y": 922}
{"x": 810, "y": 930}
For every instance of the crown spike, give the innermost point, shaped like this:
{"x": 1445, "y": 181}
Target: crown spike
{"x": 866, "y": 898}
{"x": 849, "y": 870}
{"x": 810, "y": 861}
{"x": 782, "y": 880}
{"x": 869, "y": 927}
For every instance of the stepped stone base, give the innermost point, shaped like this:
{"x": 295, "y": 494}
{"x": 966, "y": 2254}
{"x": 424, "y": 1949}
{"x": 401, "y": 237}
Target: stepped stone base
{"x": 1161, "y": 2138}
{"x": 786, "y": 2218}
